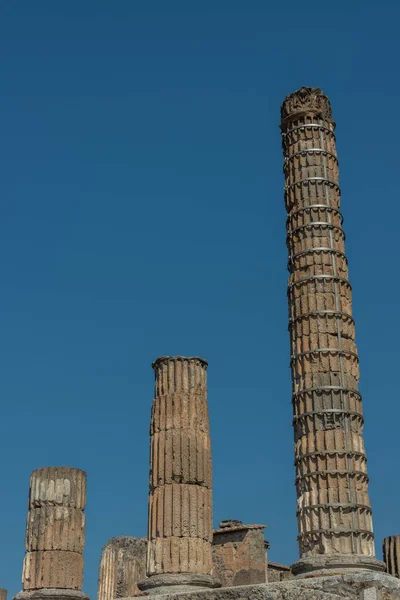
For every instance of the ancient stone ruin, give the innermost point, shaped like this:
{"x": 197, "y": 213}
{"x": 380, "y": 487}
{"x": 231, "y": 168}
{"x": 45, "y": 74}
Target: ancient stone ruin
{"x": 182, "y": 553}
{"x": 122, "y": 566}
{"x": 333, "y": 507}
{"x": 391, "y": 554}
{"x": 180, "y": 496}
{"x": 239, "y": 555}
{"x": 55, "y": 534}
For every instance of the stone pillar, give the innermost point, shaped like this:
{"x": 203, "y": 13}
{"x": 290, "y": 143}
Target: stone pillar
{"x": 180, "y": 498}
{"x": 239, "y": 554}
{"x": 122, "y": 565}
{"x": 55, "y": 534}
{"x": 333, "y": 507}
{"x": 3, "y": 594}
{"x": 391, "y": 555}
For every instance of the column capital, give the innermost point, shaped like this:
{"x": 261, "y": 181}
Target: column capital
{"x": 306, "y": 101}
{"x": 163, "y": 360}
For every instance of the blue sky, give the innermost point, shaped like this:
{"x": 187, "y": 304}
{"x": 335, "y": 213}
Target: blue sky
{"x": 142, "y": 214}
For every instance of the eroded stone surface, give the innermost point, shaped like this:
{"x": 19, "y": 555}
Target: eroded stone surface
{"x": 53, "y": 569}
{"x": 366, "y": 586}
{"x": 180, "y": 499}
{"x": 277, "y": 572}
{"x": 51, "y": 594}
{"x": 58, "y": 486}
{"x": 333, "y": 507}
{"x": 391, "y": 554}
{"x": 122, "y": 566}
{"x": 238, "y": 552}
{"x": 55, "y": 532}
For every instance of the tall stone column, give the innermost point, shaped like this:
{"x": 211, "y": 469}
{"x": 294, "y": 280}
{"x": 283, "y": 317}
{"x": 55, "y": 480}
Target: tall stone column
{"x": 391, "y": 555}
{"x": 55, "y": 534}
{"x": 333, "y": 507}
{"x": 180, "y": 499}
{"x": 3, "y": 594}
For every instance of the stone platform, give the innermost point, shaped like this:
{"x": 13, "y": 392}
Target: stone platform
{"x": 352, "y": 586}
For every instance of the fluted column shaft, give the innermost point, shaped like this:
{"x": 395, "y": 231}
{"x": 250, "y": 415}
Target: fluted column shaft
{"x": 180, "y": 498}
{"x": 391, "y": 555}
{"x": 333, "y": 507}
{"x": 55, "y": 529}
{"x": 122, "y": 566}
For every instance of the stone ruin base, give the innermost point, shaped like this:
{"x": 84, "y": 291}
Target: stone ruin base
{"x": 169, "y": 584}
{"x": 352, "y": 586}
{"x": 51, "y": 594}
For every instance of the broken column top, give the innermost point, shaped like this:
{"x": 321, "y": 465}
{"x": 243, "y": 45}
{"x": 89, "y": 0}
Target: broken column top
{"x": 126, "y": 541}
{"x": 58, "y": 486}
{"x": 166, "y": 359}
{"x": 180, "y": 374}
{"x": 306, "y": 101}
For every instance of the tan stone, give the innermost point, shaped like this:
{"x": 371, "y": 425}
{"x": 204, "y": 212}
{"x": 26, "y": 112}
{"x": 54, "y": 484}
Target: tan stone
{"x": 180, "y": 499}
{"x": 3, "y": 594}
{"x": 238, "y": 554}
{"x": 55, "y": 529}
{"x": 391, "y": 554}
{"x": 334, "y": 515}
{"x": 61, "y": 486}
{"x": 53, "y": 569}
{"x": 122, "y": 566}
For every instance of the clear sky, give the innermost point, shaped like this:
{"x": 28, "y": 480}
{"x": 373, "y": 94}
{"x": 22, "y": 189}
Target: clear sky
{"x": 142, "y": 214}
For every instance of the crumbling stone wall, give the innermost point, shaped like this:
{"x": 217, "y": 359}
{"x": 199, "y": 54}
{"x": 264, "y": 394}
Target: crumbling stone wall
{"x": 239, "y": 556}
{"x": 122, "y": 566}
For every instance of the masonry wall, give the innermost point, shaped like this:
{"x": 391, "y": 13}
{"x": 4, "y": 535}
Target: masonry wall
{"x": 239, "y": 556}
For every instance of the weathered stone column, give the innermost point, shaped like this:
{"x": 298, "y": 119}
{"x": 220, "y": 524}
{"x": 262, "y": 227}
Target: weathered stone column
{"x": 180, "y": 498}
{"x": 55, "y": 534}
{"x": 3, "y": 594}
{"x": 122, "y": 565}
{"x": 391, "y": 555}
{"x": 333, "y": 507}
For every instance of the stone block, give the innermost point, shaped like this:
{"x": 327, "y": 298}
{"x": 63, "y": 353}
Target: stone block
{"x": 238, "y": 554}
{"x": 53, "y": 569}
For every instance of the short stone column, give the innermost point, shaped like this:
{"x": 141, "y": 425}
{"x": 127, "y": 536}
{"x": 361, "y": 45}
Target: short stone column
{"x": 391, "y": 554}
{"x": 180, "y": 498}
{"x": 122, "y": 565}
{"x": 55, "y": 534}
